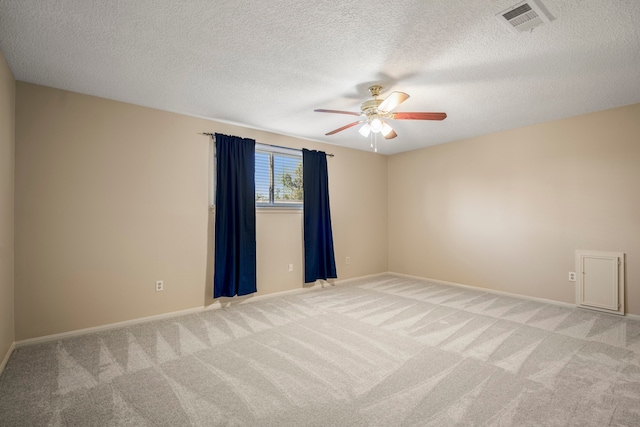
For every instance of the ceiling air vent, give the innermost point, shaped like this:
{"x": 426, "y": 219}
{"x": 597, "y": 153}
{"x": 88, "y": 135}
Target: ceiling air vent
{"x": 525, "y": 16}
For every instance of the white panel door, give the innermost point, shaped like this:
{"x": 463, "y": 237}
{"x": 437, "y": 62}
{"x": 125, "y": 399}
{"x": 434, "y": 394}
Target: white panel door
{"x": 600, "y": 281}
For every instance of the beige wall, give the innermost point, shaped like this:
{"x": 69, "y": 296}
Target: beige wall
{"x": 7, "y": 156}
{"x": 111, "y": 197}
{"x": 507, "y": 211}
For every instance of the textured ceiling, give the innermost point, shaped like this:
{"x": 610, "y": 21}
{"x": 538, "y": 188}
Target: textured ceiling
{"x": 269, "y": 64}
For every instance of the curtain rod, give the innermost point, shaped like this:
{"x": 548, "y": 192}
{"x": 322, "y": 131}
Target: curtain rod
{"x": 269, "y": 145}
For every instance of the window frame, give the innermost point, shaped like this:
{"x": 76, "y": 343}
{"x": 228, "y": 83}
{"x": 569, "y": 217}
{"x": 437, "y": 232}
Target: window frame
{"x": 274, "y": 151}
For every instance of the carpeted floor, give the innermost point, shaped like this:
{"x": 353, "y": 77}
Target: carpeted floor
{"x": 385, "y": 351}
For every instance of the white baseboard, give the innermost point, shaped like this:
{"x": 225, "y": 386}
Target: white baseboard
{"x": 251, "y": 298}
{"x": 491, "y": 291}
{"x": 7, "y": 356}
{"x": 217, "y": 304}
{"x": 353, "y": 279}
{"x": 108, "y": 326}
{"x": 510, "y": 294}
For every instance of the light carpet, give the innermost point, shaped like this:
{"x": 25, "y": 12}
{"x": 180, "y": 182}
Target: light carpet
{"x": 385, "y": 351}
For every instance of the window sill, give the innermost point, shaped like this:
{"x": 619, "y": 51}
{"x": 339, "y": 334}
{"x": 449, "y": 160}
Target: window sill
{"x": 271, "y": 209}
{"x": 279, "y": 209}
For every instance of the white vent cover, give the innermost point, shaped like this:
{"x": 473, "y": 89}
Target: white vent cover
{"x": 524, "y": 16}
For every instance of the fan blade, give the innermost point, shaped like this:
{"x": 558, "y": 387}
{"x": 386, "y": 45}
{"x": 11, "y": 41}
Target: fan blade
{"x": 337, "y": 112}
{"x": 391, "y": 134}
{"x": 345, "y": 127}
{"x": 392, "y": 101}
{"x": 419, "y": 116}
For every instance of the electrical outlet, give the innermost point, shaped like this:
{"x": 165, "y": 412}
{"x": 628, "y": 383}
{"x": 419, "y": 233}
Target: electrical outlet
{"x": 290, "y": 267}
{"x": 572, "y": 276}
{"x": 159, "y": 285}
{"x": 348, "y": 261}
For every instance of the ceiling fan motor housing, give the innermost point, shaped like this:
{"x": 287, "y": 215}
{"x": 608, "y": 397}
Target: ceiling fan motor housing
{"x": 370, "y": 108}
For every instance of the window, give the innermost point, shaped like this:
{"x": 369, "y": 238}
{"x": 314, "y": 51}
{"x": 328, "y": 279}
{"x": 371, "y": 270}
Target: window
{"x": 278, "y": 177}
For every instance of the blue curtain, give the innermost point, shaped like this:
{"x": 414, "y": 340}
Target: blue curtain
{"x": 319, "y": 261}
{"x": 235, "y": 226}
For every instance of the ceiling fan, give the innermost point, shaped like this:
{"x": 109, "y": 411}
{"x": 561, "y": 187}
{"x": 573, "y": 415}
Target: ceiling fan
{"x": 375, "y": 113}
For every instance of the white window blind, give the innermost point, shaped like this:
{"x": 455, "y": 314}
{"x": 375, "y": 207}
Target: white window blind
{"x": 278, "y": 177}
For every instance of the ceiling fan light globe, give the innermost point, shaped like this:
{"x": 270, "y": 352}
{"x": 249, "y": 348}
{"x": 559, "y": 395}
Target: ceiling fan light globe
{"x": 365, "y": 130}
{"x": 376, "y": 125}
